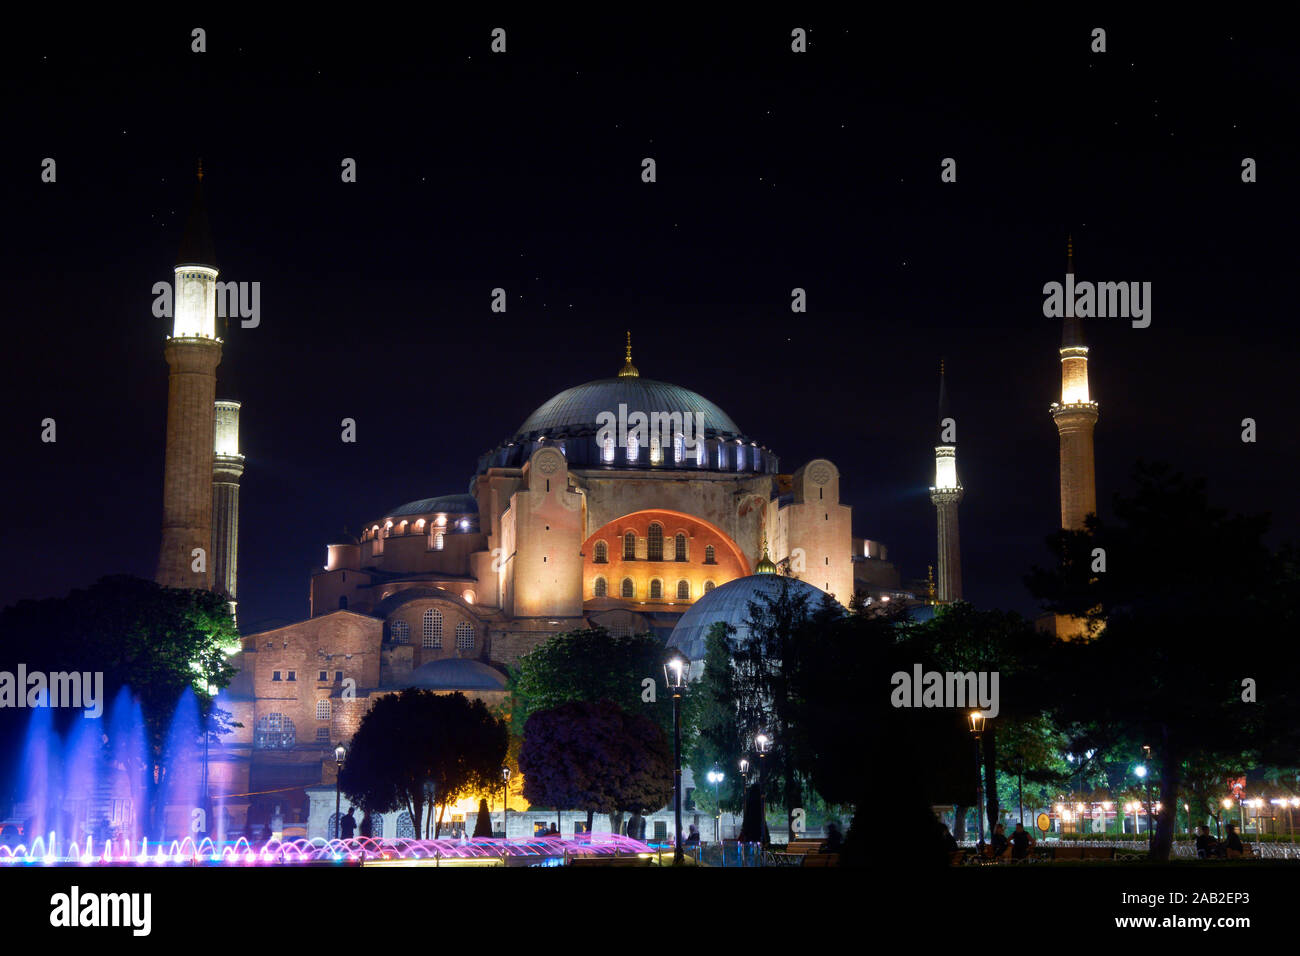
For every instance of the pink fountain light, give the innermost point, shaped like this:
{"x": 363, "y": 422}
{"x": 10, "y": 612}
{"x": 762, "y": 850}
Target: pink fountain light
{"x": 358, "y": 850}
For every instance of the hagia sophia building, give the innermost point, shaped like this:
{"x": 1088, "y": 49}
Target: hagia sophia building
{"x": 625, "y": 503}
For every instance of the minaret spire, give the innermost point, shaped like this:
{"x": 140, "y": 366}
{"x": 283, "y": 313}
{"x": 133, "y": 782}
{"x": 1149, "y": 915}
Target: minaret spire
{"x": 946, "y": 494}
{"x": 193, "y": 352}
{"x": 628, "y": 370}
{"x": 1075, "y": 415}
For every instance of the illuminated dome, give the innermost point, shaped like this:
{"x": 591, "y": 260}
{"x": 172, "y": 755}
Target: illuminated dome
{"x": 730, "y": 603}
{"x": 572, "y": 421}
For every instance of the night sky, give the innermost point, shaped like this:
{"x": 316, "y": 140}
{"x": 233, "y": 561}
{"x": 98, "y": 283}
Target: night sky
{"x": 522, "y": 170}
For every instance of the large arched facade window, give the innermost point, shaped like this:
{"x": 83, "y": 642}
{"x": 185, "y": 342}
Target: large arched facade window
{"x": 629, "y": 589}
{"x": 679, "y": 549}
{"x": 710, "y": 554}
{"x": 655, "y": 542}
{"x": 601, "y": 589}
{"x": 683, "y": 590}
{"x": 629, "y": 546}
{"x": 656, "y": 590}
{"x": 601, "y": 555}
{"x": 433, "y": 628}
{"x": 401, "y": 632}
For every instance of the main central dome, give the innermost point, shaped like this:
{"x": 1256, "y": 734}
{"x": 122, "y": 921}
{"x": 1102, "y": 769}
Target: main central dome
{"x": 579, "y": 421}
{"x": 574, "y": 412}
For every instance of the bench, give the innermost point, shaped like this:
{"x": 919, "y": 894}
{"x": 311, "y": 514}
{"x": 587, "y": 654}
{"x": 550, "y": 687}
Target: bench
{"x": 821, "y": 859}
{"x": 1245, "y": 853}
{"x": 805, "y": 846}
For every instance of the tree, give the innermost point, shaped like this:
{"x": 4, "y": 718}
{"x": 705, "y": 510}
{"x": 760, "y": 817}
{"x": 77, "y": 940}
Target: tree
{"x": 418, "y": 749}
{"x": 1181, "y": 580}
{"x": 483, "y": 823}
{"x": 595, "y": 756}
{"x": 591, "y": 664}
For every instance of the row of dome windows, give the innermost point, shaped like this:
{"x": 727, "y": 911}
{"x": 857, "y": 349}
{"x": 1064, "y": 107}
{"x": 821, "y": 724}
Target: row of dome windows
{"x": 633, "y": 452}
{"x": 432, "y": 637}
{"x": 627, "y": 589}
{"x": 654, "y": 547}
{"x": 436, "y": 536}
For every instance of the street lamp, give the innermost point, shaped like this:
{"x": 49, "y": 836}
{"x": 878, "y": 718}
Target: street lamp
{"x": 677, "y": 672}
{"x": 716, "y": 777}
{"x": 339, "y": 754}
{"x": 763, "y": 744}
{"x": 977, "y": 728}
{"x": 505, "y": 803}
{"x": 1141, "y": 771}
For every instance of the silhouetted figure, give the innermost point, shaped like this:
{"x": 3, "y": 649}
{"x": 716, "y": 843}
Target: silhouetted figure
{"x": 367, "y": 825}
{"x": 348, "y": 825}
{"x": 833, "y": 839}
{"x": 1206, "y": 845}
{"x": 999, "y": 841}
{"x": 1232, "y": 841}
{"x": 1021, "y": 841}
{"x": 693, "y": 837}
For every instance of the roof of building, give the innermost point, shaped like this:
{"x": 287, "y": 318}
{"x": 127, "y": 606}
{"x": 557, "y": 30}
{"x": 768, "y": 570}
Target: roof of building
{"x": 730, "y": 603}
{"x": 575, "y": 411}
{"x": 456, "y": 673}
{"x": 450, "y": 504}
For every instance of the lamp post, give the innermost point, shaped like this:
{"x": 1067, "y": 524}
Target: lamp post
{"x": 677, "y": 671}
{"x": 1141, "y": 771}
{"x": 977, "y": 728}
{"x": 339, "y": 754}
{"x": 716, "y": 777}
{"x": 505, "y": 803}
{"x": 763, "y": 744}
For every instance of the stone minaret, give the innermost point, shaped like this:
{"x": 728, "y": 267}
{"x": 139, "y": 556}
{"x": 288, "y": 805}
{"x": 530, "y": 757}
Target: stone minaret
{"x": 193, "y": 352}
{"x": 947, "y": 494}
{"x": 227, "y": 469}
{"x": 1075, "y": 415}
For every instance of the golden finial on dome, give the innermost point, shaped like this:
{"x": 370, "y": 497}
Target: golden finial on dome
{"x": 629, "y": 370}
{"x": 765, "y": 565}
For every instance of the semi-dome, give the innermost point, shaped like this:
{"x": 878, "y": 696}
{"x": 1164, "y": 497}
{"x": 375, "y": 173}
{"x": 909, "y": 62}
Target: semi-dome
{"x": 730, "y": 603}
{"x": 456, "y": 673}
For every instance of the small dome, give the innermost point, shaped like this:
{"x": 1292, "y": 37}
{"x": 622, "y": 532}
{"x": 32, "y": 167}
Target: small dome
{"x": 730, "y": 603}
{"x": 451, "y": 504}
{"x": 456, "y": 673}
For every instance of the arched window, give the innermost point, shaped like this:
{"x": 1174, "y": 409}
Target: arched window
{"x": 680, "y": 548}
{"x": 438, "y": 539}
{"x": 274, "y": 732}
{"x": 629, "y": 589}
{"x": 464, "y": 636}
{"x": 602, "y": 553}
{"x": 323, "y": 709}
{"x": 607, "y": 450}
{"x": 601, "y": 589}
{"x": 655, "y": 544}
{"x": 433, "y": 628}
{"x": 656, "y": 590}
{"x": 401, "y": 632}
{"x": 656, "y": 452}
{"x": 343, "y": 602}
{"x": 633, "y": 447}
{"x": 629, "y": 546}
{"x": 708, "y": 586}
{"x": 683, "y": 590}
{"x": 376, "y": 825}
{"x": 405, "y": 828}
{"x": 722, "y": 456}
{"x": 710, "y": 555}
{"x": 679, "y": 447}
{"x": 332, "y": 828}
{"x": 740, "y": 457}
